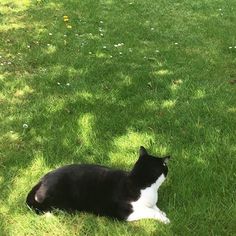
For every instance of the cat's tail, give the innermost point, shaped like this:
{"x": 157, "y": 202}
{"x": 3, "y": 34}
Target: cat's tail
{"x": 36, "y": 199}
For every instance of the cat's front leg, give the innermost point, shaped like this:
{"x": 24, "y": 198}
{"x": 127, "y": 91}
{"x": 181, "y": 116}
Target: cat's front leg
{"x": 147, "y": 213}
{"x": 162, "y": 217}
{"x": 157, "y": 209}
{"x": 159, "y": 216}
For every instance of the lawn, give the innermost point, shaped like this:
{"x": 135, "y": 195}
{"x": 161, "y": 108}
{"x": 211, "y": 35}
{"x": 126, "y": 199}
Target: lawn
{"x": 90, "y": 81}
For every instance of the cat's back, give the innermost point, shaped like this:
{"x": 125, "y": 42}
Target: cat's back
{"x": 84, "y": 174}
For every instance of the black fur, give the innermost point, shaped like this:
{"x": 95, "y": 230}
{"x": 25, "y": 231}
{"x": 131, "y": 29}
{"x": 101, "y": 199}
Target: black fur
{"x": 96, "y": 189}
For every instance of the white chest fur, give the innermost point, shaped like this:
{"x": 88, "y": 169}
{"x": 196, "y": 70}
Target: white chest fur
{"x": 149, "y": 195}
{"x": 145, "y": 206}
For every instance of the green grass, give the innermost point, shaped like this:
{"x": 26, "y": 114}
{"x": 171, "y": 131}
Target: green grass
{"x": 170, "y": 87}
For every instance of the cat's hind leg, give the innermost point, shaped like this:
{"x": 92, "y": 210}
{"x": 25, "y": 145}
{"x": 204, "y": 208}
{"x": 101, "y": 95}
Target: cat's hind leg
{"x": 36, "y": 199}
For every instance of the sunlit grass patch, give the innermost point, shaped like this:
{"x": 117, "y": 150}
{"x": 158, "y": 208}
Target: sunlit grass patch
{"x": 132, "y": 140}
{"x": 90, "y": 82}
{"x": 163, "y": 72}
{"x": 200, "y": 94}
{"x": 85, "y": 124}
{"x": 168, "y": 104}
{"x": 11, "y": 138}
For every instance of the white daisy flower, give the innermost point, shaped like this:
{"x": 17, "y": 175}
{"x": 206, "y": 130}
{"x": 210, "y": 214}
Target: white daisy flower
{"x": 25, "y": 126}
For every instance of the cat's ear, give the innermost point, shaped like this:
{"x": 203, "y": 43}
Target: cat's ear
{"x": 142, "y": 152}
{"x": 166, "y": 160}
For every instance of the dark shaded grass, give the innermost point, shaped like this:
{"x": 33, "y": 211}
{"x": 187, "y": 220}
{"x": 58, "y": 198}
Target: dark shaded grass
{"x": 177, "y": 100}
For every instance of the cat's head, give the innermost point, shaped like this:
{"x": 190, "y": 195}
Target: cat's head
{"x": 148, "y": 169}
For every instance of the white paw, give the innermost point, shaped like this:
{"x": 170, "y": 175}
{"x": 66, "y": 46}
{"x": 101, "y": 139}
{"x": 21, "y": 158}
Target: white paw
{"x": 163, "y": 213}
{"x": 166, "y": 220}
{"x": 48, "y": 215}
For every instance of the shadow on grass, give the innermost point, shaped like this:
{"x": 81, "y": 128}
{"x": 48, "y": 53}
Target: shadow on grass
{"x": 84, "y": 99}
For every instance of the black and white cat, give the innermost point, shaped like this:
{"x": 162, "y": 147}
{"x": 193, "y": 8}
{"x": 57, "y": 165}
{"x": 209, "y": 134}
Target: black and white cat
{"x": 103, "y": 191}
